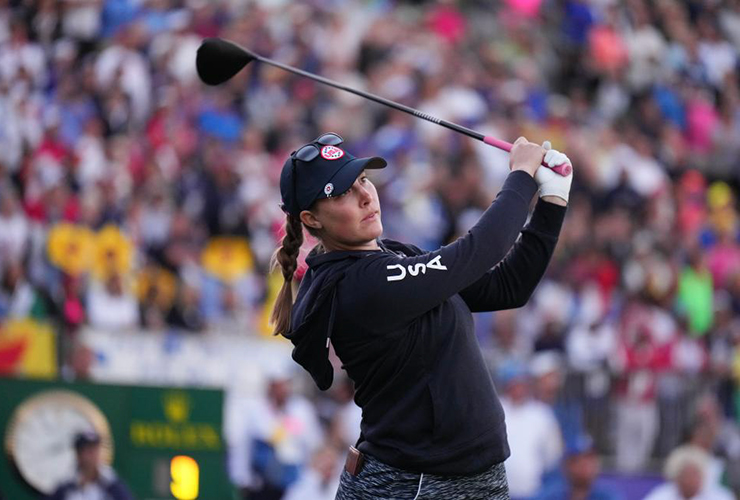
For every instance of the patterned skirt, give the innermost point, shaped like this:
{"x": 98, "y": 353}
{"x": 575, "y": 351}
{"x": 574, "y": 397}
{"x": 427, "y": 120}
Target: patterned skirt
{"x": 378, "y": 481}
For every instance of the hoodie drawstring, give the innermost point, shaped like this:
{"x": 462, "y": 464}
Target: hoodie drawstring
{"x": 331, "y": 315}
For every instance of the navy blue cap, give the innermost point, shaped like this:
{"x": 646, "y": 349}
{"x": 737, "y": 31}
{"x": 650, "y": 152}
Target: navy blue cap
{"x": 578, "y": 445}
{"x": 512, "y": 371}
{"x": 86, "y": 438}
{"x": 331, "y": 173}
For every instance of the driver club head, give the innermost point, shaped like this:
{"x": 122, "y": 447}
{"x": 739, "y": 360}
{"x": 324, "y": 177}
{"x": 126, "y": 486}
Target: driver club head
{"x": 218, "y": 60}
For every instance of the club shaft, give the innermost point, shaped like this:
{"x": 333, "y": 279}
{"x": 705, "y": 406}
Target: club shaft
{"x": 378, "y": 99}
{"x": 492, "y": 141}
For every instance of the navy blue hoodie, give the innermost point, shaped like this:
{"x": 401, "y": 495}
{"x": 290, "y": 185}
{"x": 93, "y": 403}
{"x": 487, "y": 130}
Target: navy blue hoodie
{"x": 400, "y": 321}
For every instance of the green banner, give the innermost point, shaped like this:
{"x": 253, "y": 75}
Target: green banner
{"x": 164, "y": 443}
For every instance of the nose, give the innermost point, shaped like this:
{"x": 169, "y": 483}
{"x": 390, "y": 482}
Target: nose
{"x": 365, "y": 196}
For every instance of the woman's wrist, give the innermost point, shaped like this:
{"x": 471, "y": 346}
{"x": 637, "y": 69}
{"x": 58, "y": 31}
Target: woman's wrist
{"x": 522, "y": 169}
{"x": 556, "y": 200}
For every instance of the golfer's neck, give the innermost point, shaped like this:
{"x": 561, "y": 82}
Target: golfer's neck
{"x": 338, "y": 246}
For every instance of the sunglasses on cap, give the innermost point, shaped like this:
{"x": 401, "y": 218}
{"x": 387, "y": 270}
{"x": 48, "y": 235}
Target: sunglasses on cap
{"x": 309, "y": 152}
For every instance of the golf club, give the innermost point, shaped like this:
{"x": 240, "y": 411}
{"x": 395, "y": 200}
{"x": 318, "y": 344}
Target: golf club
{"x": 218, "y": 60}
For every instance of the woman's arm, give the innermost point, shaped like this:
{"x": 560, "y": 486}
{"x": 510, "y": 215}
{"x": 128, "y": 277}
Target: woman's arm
{"x": 512, "y": 281}
{"x": 395, "y": 290}
{"x": 555, "y": 200}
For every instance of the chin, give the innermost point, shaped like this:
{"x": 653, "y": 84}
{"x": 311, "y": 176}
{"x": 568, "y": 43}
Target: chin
{"x": 376, "y": 230}
{"x": 368, "y": 231}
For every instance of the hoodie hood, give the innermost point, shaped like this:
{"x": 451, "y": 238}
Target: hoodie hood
{"x": 312, "y": 317}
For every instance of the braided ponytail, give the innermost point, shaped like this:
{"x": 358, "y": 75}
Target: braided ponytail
{"x": 287, "y": 258}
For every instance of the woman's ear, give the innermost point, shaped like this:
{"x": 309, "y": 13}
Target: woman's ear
{"x": 310, "y": 220}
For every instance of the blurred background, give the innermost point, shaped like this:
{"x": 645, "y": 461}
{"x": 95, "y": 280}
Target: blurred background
{"x": 139, "y": 210}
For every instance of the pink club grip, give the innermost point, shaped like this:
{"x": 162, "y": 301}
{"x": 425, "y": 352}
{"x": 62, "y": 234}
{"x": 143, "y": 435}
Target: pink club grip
{"x": 563, "y": 169}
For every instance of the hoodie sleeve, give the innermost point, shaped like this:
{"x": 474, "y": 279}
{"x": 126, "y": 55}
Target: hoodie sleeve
{"x": 512, "y": 281}
{"x": 396, "y": 290}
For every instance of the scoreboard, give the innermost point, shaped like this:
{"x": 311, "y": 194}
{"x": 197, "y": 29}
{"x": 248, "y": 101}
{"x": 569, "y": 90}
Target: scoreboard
{"x": 164, "y": 443}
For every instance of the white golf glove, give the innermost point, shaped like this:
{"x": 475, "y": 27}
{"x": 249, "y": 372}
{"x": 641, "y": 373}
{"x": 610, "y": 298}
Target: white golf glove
{"x": 552, "y": 184}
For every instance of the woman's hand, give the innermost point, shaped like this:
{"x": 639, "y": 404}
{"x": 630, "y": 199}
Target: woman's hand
{"x": 526, "y": 156}
{"x": 554, "y": 188}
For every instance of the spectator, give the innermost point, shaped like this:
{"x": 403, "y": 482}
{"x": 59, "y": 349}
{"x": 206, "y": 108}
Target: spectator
{"x": 19, "y": 298}
{"x": 589, "y": 346}
{"x": 532, "y": 430}
{"x": 14, "y": 228}
{"x": 110, "y": 306}
{"x": 550, "y": 338}
{"x": 581, "y": 469}
{"x": 643, "y": 354}
{"x": 93, "y": 479}
{"x": 274, "y": 441}
{"x": 548, "y": 375}
{"x": 724, "y": 256}
{"x": 507, "y": 344}
{"x": 686, "y": 469}
{"x": 320, "y": 480}
{"x": 719, "y": 438}
{"x": 345, "y": 425}
{"x": 695, "y": 290}
{"x": 185, "y": 313}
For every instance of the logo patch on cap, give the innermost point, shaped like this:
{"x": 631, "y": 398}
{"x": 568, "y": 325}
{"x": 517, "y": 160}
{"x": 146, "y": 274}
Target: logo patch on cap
{"x": 329, "y": 189}
{"x": 331, "y": 153}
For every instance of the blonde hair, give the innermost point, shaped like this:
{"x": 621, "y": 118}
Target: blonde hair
{"x": 286, "y": 257}
{"x": 681, "y": 457}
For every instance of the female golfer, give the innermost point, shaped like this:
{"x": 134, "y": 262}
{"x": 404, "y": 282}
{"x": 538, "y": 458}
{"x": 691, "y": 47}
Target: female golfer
{"x": 400, "y": 319}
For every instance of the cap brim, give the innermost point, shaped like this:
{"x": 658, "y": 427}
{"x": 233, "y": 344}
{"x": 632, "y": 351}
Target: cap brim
{"x": 82, "y": 443}
{"x": 350, "y": 171}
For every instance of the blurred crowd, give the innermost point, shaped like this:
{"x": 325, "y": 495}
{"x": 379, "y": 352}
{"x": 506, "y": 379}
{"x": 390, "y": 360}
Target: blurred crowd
{"x": 132, "y": 196}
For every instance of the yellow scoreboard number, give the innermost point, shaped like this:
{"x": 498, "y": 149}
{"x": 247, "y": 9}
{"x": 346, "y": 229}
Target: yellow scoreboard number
{"x": 185, "y": 475}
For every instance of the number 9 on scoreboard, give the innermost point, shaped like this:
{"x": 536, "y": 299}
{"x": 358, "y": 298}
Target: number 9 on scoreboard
{"x": 185, "y": 477}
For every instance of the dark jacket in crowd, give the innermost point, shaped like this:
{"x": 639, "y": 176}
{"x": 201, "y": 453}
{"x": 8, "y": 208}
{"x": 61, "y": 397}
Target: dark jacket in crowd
{"x": 109, "y": 485}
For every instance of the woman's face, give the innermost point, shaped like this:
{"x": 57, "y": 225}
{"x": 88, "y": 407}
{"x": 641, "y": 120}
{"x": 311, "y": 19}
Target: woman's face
{"x": 350, "y": 221}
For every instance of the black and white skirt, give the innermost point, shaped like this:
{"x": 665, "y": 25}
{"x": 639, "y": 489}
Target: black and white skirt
{"x": 377, "y": 480}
